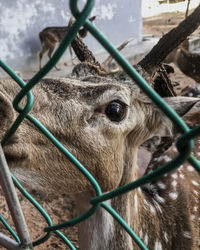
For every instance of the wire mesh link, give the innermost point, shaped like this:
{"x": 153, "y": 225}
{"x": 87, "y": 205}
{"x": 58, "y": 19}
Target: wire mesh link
{"x": 184, "y": 144}
{"x": 9, "y": 228}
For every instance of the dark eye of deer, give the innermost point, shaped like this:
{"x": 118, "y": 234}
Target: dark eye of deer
{"x": 116, "y": 111}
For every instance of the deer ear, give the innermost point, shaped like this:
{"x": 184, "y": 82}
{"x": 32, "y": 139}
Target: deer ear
{"x": 182, "y": 105}
{"x": 7, "y": 114}
{"x": 192, "y": 117}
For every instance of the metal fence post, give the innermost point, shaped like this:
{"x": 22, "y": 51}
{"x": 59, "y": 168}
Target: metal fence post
{"x": 14, "y": 206}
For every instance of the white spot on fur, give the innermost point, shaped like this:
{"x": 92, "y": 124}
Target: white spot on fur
{"x": 108, "y": 226}
{"x": 196, "y": 192}
{"x": 159, "y": 198}
{"x": 166, "y": 158}
{"x": 101, "y": 226}
{"x": 182, "y": 176}
{"x": 174, "y": 176}
{"x": 146, "y": 203}
{"x": 173, "y": 195}
{"x": 152, "y": 209}
{"x": 174, "y": 183}
{"x": 157, "y": 207}
{"x": 192, "y": 217}
{"x": 190, "y": 168}
{"x": 195, "y": 183}
{"x": 146, "y": 239}
{"x": 141, "y": 234}
{"x": 150, "y": 187}
{"x": 161, "y": 185}
{"x": 195, "y": 209}
{"x": 136, "y": 203}
{"x": 187, "y": 234}
{"x": 166, "y": 237}
{"x": 158, "y": 246}
{"x": 181, "y": 167}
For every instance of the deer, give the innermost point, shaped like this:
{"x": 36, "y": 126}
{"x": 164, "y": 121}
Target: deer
{"x": 103, "y": 121}
{"x": 51, "y": 36}
{"x": 188, "y": 62}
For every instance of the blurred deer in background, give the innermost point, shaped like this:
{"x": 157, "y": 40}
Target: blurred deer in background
{"x": 187, "y": 62}
{"x": 51, "y": 36}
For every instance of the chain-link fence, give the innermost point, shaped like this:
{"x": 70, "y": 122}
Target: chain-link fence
{"x": 184, "y": 144}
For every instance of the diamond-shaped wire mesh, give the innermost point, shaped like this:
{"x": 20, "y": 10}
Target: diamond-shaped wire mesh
{"x": 184, "y": 141}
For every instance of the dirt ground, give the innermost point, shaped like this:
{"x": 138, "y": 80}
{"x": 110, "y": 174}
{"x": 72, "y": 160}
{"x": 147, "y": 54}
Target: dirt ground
{"x": 61, "y": 207}
{"x": 162, "y": 23}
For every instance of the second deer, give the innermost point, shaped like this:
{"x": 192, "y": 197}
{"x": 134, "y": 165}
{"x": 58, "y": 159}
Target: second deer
{"x": 51, "y": 36}
{"x": 187, "y": 62}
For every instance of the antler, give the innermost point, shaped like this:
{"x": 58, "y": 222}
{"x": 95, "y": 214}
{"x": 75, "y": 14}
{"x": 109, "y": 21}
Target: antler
{"x": 109, "y": 58}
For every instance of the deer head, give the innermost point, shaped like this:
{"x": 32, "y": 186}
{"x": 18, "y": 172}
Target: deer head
{"x": 101, "y": 122}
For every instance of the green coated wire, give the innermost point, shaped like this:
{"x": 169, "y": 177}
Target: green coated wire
{"x": 196, "y": 164}
{"x": 73, "y": 159}
{"x": 184, "y": 138}
{"x": 171, "y": 113}
{"x": 38, "y": 76}
{"x": 39, "y": 208}
{"x": 24, "y": 112}
{"x": 18, "y": 185}
{"x": 82, "y": 169}
{"x": 43, "y": 213}
{"x": 158, "y": 101}
{"x": 184, "y": 143}
{"x": 139, "y": 80}
{"x": 58, "y": 53}
{"x": 10, "y": 132}
{"x": 68, "y": 243}
{"x": 143, "y": 180}
{"x": 67, "y": 40}
{"x": 9, "y": 228}
{"x": 27, "y": 108}
{"x": 124, "y": 225}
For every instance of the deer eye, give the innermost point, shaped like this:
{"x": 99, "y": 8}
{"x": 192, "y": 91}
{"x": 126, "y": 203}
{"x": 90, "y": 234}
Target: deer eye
{"x": 116, "y": 111}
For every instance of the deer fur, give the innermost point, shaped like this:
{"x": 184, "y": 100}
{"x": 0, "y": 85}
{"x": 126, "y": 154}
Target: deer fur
{"x": 186, "y": 61}
{"x": 81, "y": 114}
{"x": 171, "y": 57}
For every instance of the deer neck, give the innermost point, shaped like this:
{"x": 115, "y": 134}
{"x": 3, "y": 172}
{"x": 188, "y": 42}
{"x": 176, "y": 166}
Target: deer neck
{"x": 97, "y": 231}
{"x": 141, "y": 211}
{"x": 138, "y": 208}
{"x": 101, "y": 231}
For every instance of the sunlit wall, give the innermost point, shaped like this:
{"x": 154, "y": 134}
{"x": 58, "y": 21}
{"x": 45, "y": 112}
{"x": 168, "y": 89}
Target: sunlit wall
{"x": 22, "y": 20}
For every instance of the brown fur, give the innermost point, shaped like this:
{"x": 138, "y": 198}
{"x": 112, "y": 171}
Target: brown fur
{"x": 187, "y": 62}
{"x": 188, "y": 186}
